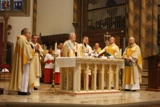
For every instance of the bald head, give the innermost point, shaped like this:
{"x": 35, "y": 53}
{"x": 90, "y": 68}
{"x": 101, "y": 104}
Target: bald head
{"x": 111, "y": 40}
{"x": 72, "y": 37}
{"x": 131, "y": 41}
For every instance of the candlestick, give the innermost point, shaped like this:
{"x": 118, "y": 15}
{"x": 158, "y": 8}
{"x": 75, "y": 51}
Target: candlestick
{"x": 120, "y": 53}
{"x": 55, "y": 48}
{"x": 124, "y": 43}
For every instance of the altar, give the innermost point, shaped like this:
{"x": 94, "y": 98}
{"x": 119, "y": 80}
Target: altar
{"x": 88, "y": 75}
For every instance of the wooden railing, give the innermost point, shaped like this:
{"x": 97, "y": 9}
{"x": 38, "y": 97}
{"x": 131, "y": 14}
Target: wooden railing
{"x": 159, "y": 21}
{"x": 106, "y": 17}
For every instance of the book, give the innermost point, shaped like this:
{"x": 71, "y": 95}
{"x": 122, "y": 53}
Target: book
{"x": 107, "y": 54}
{"x": 127, "y": 63}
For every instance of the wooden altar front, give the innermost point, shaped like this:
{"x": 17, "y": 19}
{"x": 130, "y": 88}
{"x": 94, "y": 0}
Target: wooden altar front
{"x": 75, "y": 73}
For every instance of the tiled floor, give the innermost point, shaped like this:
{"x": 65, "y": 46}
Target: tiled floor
{"x": 44, "y": 95}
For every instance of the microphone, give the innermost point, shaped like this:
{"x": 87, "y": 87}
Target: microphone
{"x": 85, "y": 44}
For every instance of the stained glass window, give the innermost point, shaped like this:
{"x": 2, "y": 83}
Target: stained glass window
{"x": 18, "y": 4}
{"x": 11, "y": 4}
{"x": 15, "y": 7}
{"x": 5, "y": 3}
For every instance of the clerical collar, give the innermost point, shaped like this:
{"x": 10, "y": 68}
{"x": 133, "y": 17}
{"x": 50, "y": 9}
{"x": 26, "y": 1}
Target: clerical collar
{"x": 111, "y": 44}
{"x": 33, "y": 43}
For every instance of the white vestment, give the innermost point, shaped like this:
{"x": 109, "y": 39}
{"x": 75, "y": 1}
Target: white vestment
{"x": 84, "y": 50}
{"x": 49, "y": 57}
{"x": 38, "y": 64}
{"x": 24, "y": 86}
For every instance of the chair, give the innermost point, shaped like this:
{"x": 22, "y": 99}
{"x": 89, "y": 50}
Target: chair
{"x": 2, "y": 66}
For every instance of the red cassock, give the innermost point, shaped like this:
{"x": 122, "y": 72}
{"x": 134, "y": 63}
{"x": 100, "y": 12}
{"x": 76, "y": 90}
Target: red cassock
{"x": 56, "y": 78}
{"x": 57, "y": 70}
{"x": 48, "y": 75}
{"x": 48, "y": 72}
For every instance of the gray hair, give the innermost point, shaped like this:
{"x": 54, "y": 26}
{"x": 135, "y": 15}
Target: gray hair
{"x": 71, "y": 34}
{"x": 23, "y": 31}
{"x": 132, "y": 38}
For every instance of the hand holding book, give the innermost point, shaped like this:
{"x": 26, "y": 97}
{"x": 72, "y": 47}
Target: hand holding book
{"x": 127, "y": 62}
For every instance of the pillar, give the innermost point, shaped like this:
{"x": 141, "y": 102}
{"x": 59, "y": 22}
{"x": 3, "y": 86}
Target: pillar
{"x": 133, "y": 19}
{"x": 34, "y": 26}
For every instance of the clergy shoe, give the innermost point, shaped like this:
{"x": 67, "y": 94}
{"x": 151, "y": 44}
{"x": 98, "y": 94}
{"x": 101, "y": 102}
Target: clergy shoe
{"x": 35, "y": 88}
{"x": 127, "y": 90}
{"x": 23, "y": 93}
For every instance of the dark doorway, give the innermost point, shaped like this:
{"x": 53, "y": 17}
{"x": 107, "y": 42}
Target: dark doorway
{"x": 9, "y": 53}
{"x": 1, "y": 41}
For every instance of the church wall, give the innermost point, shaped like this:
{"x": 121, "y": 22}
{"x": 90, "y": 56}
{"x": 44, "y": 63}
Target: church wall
{"x": 18, "y": 23}
{"x": 54, "y": 16}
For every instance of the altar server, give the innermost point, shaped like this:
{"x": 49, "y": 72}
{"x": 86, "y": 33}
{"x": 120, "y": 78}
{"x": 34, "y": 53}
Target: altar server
{"x": 57, "y": 69}
{"x": 49, "y": 60}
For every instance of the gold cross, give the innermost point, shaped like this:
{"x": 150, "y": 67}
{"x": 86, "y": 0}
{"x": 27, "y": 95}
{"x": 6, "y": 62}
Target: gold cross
{"x": 106, "y": 37}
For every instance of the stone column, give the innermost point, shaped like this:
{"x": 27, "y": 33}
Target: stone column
{"x": 133, "y": 19}
{"x": 76, "y": 18}
{"x": 80, "y": 17}
{"x": 34, "y": 26}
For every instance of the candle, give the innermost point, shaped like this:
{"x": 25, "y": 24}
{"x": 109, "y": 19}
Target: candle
{"x": 120, "y": 53}
{"x": 124, "y": 43}
{"x": 5, "y": 4}
{"x": 55, "y": 48}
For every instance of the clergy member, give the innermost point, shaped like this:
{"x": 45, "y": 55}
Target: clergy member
{"x": 97, "y": 48}
{"x": 112, "y": 52}
{"x": 70, "y": 47}
{"x": 22, "y": 80}
{"x": 84, "y": 49}
{"x": 36, "y": 60}
{"x": 133, "y": 66}
{"x": 49, "y": 60}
